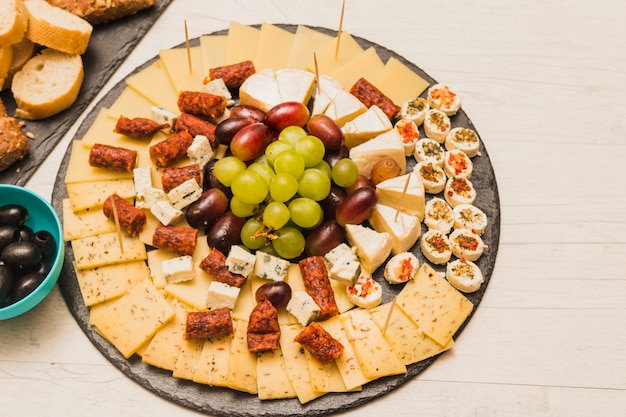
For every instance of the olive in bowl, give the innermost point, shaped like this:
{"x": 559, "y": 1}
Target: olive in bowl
{"x": 31, "y": 250}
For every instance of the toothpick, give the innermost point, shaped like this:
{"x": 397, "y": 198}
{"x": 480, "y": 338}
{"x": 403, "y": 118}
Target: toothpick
{"x": 117, "y": 224}
{"x": 406, "y": 186}
{"x": 188, "y": 49}
{"x": 393, "y": 304}
{"x": 343, "y": 8}
{"x": 317, "y": 74}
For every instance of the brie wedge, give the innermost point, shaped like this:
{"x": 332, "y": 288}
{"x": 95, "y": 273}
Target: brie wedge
{"x": 372, "y": 247}
{"x": 388, "y": 144}
{"x": 392, "y": 193}
{"x": 403, "y": 228}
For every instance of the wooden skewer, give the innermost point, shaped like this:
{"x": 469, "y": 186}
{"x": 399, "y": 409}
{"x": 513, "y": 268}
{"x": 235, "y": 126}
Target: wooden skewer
{"x": 406, "y": 186}
{"x": 117, "y": 224}
{"x": 393, "y": 304}
{"x": 317, "y": 74}
{"x": 188, "y": 48}
{"x": 343, "y": 8}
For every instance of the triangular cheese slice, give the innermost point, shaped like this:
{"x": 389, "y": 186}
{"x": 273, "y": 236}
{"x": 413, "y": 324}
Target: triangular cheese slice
{"x": 372, "y": 247}
{"x": 388, "y": 144}
{"x": 365, "y": 126}
{"x": 403, "y": 228}
{"x": 392, "y": 193}
{"x": 260, "y": 90}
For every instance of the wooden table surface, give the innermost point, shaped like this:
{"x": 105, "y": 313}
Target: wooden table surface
{"x": 545, "y": 84}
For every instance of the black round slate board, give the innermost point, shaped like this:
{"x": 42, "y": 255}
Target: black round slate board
{"x": 230, "y": 403}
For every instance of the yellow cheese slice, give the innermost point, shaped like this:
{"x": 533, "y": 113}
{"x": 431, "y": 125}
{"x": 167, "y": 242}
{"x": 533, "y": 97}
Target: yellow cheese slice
{"x": 144, "y": 83}
{"x": 166, "y": 345}
{"x": 104, "y": 249}
{"x": 176, "y": 65}
{"x": 273, "y": 47}
{"x": 133, "y": 319}
{"x": 366, "y": 65}
{"x": 130, "y": 103}
{"x": 324, "y": 378}
{"x": 329, "y": 58}
{"x": 406, "y": 339}
{"x": 84, "y": 223}
{"x": 242, "y": 43}
{"x": 306, "y": 43}
{"x": 272, "y": 380}
{"x": 213, "y": 49}
{"x": 110, "y": 281}
{"x": 86, "y": 195}
{"x": 242, "y": 363}
{"x": 434, "y": 305}
{"x": 79, "y": 170}
{"x": 212, "y": 366}
{"x": 399, "y": 83}
{"x": 245, "y": 302}
{"x": 376, "y": 356}
{"x": 188, "y": 359}
{"x": 297, "y": 364}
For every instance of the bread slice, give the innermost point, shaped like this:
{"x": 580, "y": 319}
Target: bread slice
{"x": 22, "y": 52}
{"x": 102, "y": 11}
{"x": 13, "y": 21}
{"x": 47, "y": 84}
{"x": 56, "y": 28}
{"x": 6, "y": 58}
{"x": 13, "y": 143}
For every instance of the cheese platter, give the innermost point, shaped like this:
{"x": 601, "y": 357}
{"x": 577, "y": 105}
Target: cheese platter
{"x": 209, "y": 396}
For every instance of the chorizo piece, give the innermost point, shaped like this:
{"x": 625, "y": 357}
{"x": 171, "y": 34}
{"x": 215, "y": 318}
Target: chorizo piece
{"x": 176, "y": 239}
{"x": 233, "y": 75}
{"x": 320, "y": 343}
{"x": 263, "y": 328}
{"x": 173, "y": 177}
{"x": 112, "y": 157}
{"x": 202, "y": 104}
{"x": 207, "y": 324}
{"x": 172, "y": 149}
{"x": 195, "y": 126}
{"x": 131, "y": 218}
{"x": 138, "y": 127}
{"x": 214, "y": 264}
{"x": 317, "y": 285}
{"x": 369, "y": 95}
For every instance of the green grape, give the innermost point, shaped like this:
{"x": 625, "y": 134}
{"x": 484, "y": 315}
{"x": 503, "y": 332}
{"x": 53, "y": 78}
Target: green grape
{"x": 283, "y": 187}
{"x": 291, "y": 135}
{"x": 241, "y": 209}
{"x": 290, "y": 242}
{"x": 305, "y": 212}
{"x": 313, "y": 184}
{"x": 289, "y": 161}
{"x": 312, "y": 150}
{"x": 345, "y": 172}
{"x": 248, "y": 234}
{"x": 249, "y": 187}
{"x": 274, "y": 149}
{"x": 264, "y": 170}
{"x": 325, "y": 168}
{"x": 275, "y": 215}
{"x": 227, "y": 168}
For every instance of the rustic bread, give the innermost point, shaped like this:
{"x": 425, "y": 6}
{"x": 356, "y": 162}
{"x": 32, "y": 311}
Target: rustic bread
{"x": 22, "y": 52}
{"x": 13, "y": 143}
{"x": 47, "y": 84}
{"x": 6, "y": 58}
{"x": 13, "y": 21}
{"x": 102, "y": 11}
{"x": 56, "y": 28}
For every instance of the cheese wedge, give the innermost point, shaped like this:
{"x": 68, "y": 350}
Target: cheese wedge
{"x": 295, "y": 85}
{"x": 260, "y": 90}
{"x": 372, "y": 247}
{"x": 388, "y": 144}
{"x": 365, "y": 126}
{"x": 344, "y": 107}
{"x": 403, "y": 228}
{"x": 325, "y": 92}
{"x": 392, "y": 193}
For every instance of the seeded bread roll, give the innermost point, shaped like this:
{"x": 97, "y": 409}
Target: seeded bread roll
{"x": 47, "y": 84}
{"x": 56, "y": 28}
{"x": 13, "y": 21}
{"x": 102, "y": 11}
{"x": 13, "y": 143}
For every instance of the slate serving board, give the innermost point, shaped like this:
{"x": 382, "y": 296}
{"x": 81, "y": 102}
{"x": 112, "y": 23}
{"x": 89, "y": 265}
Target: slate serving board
{"x": 230, "y": 403}
{"x": 109, "y": 45}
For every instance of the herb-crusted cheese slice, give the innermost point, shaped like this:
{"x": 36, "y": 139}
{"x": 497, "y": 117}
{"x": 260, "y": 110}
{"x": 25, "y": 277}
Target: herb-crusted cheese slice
{"x": 95, "y": 251}
{"x": 434, "y": 305}
{"x": 187, "y": 361}
{"x": 133, "y": 319}
{"x": 242, "y": 363}
{"x": 84, "y": 223}
{"x": 272, "y": 380}
{"x": 165, "y": 347}
{"x": 212, "y": 365}
{"x": 110, "y": 281}
{"x": 85, "y": 195}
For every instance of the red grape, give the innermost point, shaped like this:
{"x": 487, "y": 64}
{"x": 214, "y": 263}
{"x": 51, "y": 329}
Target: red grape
{"x": 357, "y": 206}
{"x": 289, "y": 113}
{"x": 204, "y": 211}
{"x": 327, "y": 130}
{"x": 324, "y": 238}
{"x": 278, "y": 293}
{"x": 228, "y": 128}
{"x": 225, "y": 232}
{"x": 243, "y": 110}
{"x": 361, "y": 181}
{"x": 250, "y": 141}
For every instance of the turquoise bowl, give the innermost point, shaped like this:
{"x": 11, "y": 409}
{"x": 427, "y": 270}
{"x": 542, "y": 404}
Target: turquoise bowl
{"x": 41, "y": 216}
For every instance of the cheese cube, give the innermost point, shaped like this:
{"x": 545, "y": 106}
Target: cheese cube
{"x": 218, "y": 88}
{"x": 240, "y": 261}
{"x": 343, "y": 265}
{"x": 221, "y": 295}
{"x": 340, "y": 251}
{"x": 200, "y": 151}
{"x": 151, "y": 196}
{"x": 271, "y": 267}
{"x": 303, "y": 307}
{"x": 178, "y": 269}
{"x": 142, "y": 180}
{"x": 184, "y": 194}
{"x": 165, "y": 212}
{"x": 162, "y": 115}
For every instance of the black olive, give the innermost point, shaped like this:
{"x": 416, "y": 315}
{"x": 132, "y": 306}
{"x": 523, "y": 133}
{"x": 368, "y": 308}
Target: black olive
{"x": 44, "y": 266}
{"x": 26, "y": 233}
{"x": 45, "y": 241}
{"x": 25, "y": 285}
{"x": 21, "y": 256}
{"x": 8, "y": 234}
{"x": 7, "y": 280}
{"x": 13, "y": 214}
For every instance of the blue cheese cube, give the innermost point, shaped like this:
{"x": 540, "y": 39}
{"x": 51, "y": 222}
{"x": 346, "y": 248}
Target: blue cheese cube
{"x": 178, "y": 269}
{"x": 218, "y": 87}
{"x": 342, "y": 264}
{"x": 303, "y": 307}
{"x": 165, "y": 212}
{"x": 240, "y": 261}
{"x": 162, "y": 115}
{"x": 221, "y": 295}
{"x": 200, "y": 151}
{"x": 142, "y": 179}
{"x": 338, "y": 252}
{"x": 272, "y": 267}
{"x": 184, "y": 194}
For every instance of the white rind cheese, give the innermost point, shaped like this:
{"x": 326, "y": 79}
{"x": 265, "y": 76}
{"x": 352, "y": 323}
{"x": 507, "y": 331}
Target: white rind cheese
{"x": 410, "y": 135}
{"x": 442, "y": 97}
{"x": 372, "y": 247}
{"x": 403, "y": 228}
{"x": 433, "y": 177}
{"x": 392, "y": 193}
{"x": 366, "y": 292}
{"x": 260, "y": 90}
{"x": 303, "y": 307}
{"x": 388, "y": 144}
{"x": 466, "y": 244}
{"x": 457, "y": 164}
{"x": 459, "y": 190}
{"x": 365, "y": 126}
{"x": 428, "y": 149}
{"x": 179, "y": 269}
{"x": 221, "y": 295}
{"x": 415, "y": 110}
{"x": 240, "y": 261}
{"x": 464, "y": 275}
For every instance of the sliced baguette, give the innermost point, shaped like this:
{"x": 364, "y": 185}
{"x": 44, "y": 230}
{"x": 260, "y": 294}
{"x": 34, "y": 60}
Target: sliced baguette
{"x": 6, "y": 58}
{"x": 13, "y": 21}
{"x": 102, "y": 11}
{"x": 22, "y": 52}
{"x": 48, "y": 84}
{"x": 56, "y": 28}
